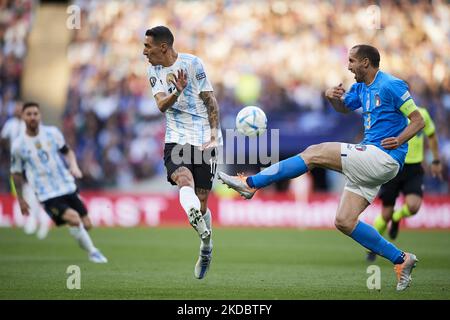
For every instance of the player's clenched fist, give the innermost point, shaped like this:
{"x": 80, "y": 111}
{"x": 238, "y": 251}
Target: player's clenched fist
{"x": 335, "y": 92}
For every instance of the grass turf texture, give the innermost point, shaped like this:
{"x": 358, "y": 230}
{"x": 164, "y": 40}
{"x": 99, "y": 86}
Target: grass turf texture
{"x": 158, "y": 263}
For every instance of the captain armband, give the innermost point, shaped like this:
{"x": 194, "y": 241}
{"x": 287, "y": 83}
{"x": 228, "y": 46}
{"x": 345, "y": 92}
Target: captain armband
{"x": 408, "y": 107}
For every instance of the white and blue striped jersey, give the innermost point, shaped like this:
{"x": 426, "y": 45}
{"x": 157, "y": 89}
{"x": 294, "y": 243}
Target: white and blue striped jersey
{"x": 41, "y": 159}
{"x": 187, "y": 120}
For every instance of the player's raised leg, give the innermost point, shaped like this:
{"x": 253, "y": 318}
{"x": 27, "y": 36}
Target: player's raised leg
{"x": 183, "y": 178}
{"x": 324, "y": 155}
{"x": 206, "y": 244}
{"x": 78, "y": 231}
{"x": 350, "y": 207}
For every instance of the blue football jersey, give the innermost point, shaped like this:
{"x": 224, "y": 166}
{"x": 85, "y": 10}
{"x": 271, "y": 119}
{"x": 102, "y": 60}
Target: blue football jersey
{"x": 381, "y": 102}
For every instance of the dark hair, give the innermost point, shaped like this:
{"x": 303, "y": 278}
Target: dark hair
{"x": 29, "y": 105}
{"x": 369, "y": 52}
{"x": 160, "y": 34}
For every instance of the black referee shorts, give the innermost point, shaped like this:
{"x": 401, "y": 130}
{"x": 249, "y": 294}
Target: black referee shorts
{"x": 202, "y": 164}
{"x": 408, "y": 181}
{"x": 55, "y": 207}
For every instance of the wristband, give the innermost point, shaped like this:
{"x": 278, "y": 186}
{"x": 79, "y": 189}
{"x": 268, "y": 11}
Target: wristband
{"x": 436, "y": 161}
{"x": 177, "y": 93}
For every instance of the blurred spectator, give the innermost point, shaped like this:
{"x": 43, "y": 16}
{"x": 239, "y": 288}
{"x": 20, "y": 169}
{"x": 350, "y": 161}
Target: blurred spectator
{"x": 15, "y": 24}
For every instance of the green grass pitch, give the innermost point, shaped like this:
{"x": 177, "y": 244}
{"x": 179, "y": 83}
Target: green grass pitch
{"x": 158, "y": 263}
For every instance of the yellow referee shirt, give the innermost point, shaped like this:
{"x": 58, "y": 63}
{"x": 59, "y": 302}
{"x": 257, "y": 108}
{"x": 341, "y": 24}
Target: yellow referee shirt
{"x": 415, "y": 144}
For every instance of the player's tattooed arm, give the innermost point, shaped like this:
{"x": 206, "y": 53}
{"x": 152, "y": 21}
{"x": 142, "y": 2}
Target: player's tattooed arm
{"x": 18, "y": 184}
{"x": 212, "y": 107}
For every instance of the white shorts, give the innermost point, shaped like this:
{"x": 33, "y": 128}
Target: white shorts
{"x": 366, "y": 168}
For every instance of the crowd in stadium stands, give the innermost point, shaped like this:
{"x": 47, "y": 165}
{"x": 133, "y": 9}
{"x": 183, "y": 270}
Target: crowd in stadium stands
{"x": 279, "y": 55}
{"x": 15, "y": 24}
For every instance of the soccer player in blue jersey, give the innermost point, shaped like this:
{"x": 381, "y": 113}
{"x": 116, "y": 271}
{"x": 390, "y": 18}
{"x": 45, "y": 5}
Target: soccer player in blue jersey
{"x": 38, "y": 152}
{"x": 386, "y": 105}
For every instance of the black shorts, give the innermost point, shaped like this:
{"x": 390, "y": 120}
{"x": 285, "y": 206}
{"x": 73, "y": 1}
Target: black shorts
{"x": 408, "y": 181}
{"x": 202, "y": 164}
{"x": 55, "y": 207}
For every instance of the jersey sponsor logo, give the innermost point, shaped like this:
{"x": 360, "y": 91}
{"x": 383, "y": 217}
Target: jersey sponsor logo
{"x": 200, "y": 76}
{"x": 360, "y": 147}
{"x": 153, "y": 81}
{"x": 405, "y": 96}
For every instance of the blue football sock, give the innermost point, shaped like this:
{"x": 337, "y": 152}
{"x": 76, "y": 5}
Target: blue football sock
{"x": 368, "y": 236}
{"x": 286, "y": 169}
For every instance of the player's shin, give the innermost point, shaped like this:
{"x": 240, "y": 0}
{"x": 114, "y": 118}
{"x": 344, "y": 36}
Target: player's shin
{"x": 286, "y": 169}
{"x": 188, "y": 199}
{"x": 83, "y": 238}
{"x": 207, "y": 242}
{"x": 368, "y": 237}
{"x": 191, "y": 205}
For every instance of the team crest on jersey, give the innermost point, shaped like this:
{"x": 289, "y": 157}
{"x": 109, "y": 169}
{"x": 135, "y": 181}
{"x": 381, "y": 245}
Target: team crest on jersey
{"x": 377, "y": 100}
{"x": 360, "y": 147}
{"x": 152, "y": 81}
{"x": 38, "y": 145}
{"x": 169, "y": 78}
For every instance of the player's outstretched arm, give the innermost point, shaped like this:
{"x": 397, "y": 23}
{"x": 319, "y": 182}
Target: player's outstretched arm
{"x": 335, "y": 96}
{"x": 18, "y": 182}
{"x": 416, "y": 124}
{"x": 212, "y": 107}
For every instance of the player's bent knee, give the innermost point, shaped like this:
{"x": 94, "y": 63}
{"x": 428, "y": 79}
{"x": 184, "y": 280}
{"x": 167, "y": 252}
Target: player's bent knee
{"x": 344, "y": 225}
{"x": 183, "y": 178}
{"x": 72, "y": 217}
{"x": 314, "y": 154}
{"x": 311, "y": 155}
{"x": 414, "y": 208}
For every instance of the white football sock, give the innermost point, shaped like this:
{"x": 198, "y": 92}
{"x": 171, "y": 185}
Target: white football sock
{"x": 189, "y": 199}
{"x": 207, "y": 242}
{"x": 208, "y": 219}
{"x": 83, "y": 238}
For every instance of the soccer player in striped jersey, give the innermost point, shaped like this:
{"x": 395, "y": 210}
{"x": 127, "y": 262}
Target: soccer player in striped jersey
{"x": 386, "y": 105}
{"x": 409, "y": 181}
{"x": 38, "y": 152}
{"x": 37, "y": 221}
{"x": 182, "y": 91}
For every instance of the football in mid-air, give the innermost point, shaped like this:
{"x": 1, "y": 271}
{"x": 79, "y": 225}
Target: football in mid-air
{"x": 251, "y": 121}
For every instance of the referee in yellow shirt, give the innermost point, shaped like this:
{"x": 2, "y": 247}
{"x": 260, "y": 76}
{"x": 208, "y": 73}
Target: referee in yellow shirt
{"x": 409, "y": 181}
